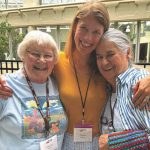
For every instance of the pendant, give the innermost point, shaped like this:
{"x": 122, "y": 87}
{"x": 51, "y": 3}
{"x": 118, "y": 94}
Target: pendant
{"x": 47, "y": 126}
{"x": 83, "y": 121}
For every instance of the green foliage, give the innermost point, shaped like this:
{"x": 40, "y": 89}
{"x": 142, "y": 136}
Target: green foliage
{"x": 5, "y": 30}
{"x": 17, "y": 38}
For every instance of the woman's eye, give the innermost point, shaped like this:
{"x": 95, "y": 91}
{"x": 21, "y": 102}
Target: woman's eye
{"x": 35, "y": 55}
{"x": 97, "y": 33}
{"x": 98, "y": 57}
{"x": 83, "y": 28}
{"x": 48, "y": 56}
{"x": 110, "y": 55}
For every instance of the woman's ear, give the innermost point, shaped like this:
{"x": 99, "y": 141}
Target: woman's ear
{"x": 22, "y": 59}
{"x": 129, "y": 53}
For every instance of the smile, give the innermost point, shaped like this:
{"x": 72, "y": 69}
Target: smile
{"x": 85, "y": 44}
{"x": 108, "y": 69}
{"x": 40, "y": 69}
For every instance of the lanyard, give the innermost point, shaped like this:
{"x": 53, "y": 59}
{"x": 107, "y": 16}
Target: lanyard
{"x": 111, "y": 123}
{"x": 107, "y": 119}
{"x": 83, "y": 102}
{"x": 47, "y": 117}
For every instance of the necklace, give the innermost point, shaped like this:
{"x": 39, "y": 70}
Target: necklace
{"x": 46, "y": 118}
{"x": 83, "y": 101}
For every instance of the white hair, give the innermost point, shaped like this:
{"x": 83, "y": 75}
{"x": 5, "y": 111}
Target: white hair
{"x": 36, "y": 37}
{"x": 119, "y": 38}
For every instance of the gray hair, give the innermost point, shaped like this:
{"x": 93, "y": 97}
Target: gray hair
{"x": 36, "y": 37}
{"x": 119, "y": 38}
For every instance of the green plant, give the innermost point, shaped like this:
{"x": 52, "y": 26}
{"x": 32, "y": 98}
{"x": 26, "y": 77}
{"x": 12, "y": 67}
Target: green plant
{"x": 6, "y": 30}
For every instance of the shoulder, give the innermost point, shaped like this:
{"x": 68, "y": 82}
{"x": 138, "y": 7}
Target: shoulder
{"x": 132, "y": 75}
{"x": 140, "y": 73}
{"x": 15, "y": 79}
{"x": 62, "y": 59}
{"x": 62, "y": 55}
{"x": 62, "y": 62}
{"x": 9, "y": 77}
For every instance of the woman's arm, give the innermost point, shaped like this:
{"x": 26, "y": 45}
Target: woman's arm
{"x": 5, "y": 91}
{"x": 142, "y": 93}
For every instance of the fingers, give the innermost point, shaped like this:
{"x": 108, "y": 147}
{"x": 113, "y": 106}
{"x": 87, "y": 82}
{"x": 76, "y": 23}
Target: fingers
{"x": 103, "y": 142}
{"x": 135, "y": 88}
{"x": 144, "y": 102}
{"x": 5, "y": 92}
{"x": 138, "y": 98}
{"x": 141, "y": 97}
{"x": 2, "y": 81}
{"x": 141, "y": 90}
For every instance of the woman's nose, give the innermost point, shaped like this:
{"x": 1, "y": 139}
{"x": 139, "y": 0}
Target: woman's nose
{"x": 42, "y": 58}
{"x": 88, "y": 36}
{"x": 105, "y": 61}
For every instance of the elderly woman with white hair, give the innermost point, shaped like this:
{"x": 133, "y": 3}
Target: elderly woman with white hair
{"x": 33, "y": 118}
{"x": 127, "y": 127}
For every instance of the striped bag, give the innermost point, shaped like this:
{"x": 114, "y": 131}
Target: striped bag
{"x": 129, "y": 140}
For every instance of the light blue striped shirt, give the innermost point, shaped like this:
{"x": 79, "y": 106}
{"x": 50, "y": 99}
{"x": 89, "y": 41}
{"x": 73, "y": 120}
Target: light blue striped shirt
{"x": 130, "y": 116}
{"x": 125, "y": 115}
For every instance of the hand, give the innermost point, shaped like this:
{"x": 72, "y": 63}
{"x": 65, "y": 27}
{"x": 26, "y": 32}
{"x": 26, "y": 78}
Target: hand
{"x": 103, "y": 140}
{"x": 142, "y": 93}
{"x": 5, "y": 91}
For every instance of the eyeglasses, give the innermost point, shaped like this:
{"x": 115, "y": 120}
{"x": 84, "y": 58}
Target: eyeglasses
{"x": 46, "y": 56}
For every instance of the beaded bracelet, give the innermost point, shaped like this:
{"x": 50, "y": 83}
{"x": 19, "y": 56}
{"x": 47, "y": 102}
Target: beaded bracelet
{"x": 128, "y": 140}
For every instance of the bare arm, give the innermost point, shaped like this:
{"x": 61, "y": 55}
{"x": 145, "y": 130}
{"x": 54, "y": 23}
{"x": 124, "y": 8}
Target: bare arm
{"x": 142, "y": 93}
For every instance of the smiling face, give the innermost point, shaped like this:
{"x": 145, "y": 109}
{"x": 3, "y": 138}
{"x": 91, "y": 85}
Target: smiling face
{"x": 87, "y": 35}
{"x": 39, "y": 62}
{"x": 111, "y": 60}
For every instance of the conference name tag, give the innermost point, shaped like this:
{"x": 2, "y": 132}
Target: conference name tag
{"x": 49, "y": 144}
{"x": 83, "y": 133}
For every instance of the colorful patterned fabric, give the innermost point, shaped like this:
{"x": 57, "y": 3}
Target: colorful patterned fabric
{"x": 128, "y": 140}
{"x": 21, "y": 124}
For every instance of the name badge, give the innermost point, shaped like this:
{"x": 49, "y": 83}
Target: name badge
{"x": 49, "y": 144}
{"x": 83, "y": 133}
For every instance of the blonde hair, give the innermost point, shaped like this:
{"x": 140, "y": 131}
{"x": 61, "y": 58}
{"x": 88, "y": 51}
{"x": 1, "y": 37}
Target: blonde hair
{"x": 36, "y": 37}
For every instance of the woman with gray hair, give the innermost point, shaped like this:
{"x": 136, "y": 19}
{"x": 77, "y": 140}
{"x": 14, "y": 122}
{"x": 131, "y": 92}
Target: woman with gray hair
{"x": 113, "y": 56}
{"x": 33, "y": 118}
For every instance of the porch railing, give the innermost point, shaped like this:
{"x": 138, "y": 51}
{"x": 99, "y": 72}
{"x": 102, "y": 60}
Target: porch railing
{"x": 8, "y": 66}
{"x": 144, "y": 64}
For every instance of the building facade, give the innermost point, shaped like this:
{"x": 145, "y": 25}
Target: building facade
{"x": 55, "y": 17}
